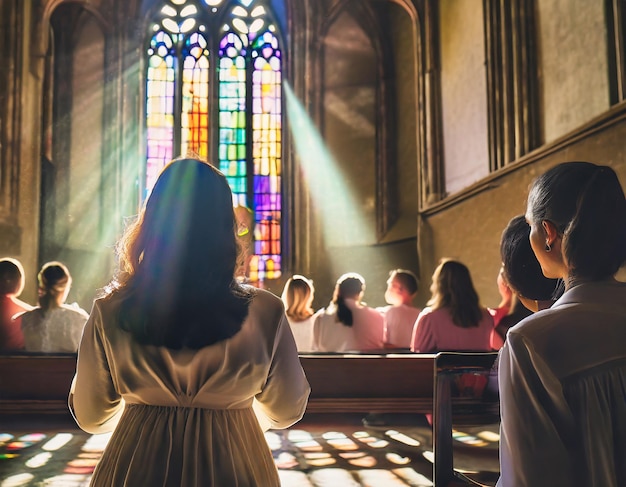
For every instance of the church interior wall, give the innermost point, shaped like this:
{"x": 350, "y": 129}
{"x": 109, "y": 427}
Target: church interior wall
{"x": 468, "y": 227}
{"x": 463, "y": 93}
{"x": 574, "y": 71}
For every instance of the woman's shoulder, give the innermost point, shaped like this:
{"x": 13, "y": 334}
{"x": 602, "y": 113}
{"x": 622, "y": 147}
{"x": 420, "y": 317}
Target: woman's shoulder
{"x": 28, "y": 317}
{"x": 432, "y": 313}
{"x": 323, "y": 315}
{"x": 262, "y": 297}
{"x": 264, "y": 306}
{"x": 74, "y": 308}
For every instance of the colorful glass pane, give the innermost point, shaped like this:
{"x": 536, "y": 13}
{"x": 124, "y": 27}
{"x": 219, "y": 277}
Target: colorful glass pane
{"x": 160, "y": 81}
{"x": 266, "y": 155}
{"x": 245, "y": 105}
{"x": 232, "y": 116}
{"x": 195, "y": 97}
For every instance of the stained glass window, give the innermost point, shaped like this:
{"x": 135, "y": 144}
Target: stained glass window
{"x": 213, "y": 88}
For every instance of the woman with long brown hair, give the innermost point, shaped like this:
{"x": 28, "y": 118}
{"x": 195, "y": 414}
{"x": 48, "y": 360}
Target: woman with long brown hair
{"x": 453, "y": 319}
{"x": 178, "y": 357}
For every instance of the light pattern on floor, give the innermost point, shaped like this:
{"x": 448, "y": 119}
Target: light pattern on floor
{"x": 305, "y": 458}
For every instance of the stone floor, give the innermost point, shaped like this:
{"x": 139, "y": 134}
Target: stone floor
{"x": 328, "y": 451}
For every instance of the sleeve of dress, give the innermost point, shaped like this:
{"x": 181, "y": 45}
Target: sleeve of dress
{"x": 284, "y": 397}
{"x": 533, "y": 449}
{"x": 93, "y": 400}
{"x": 423, "y": 339}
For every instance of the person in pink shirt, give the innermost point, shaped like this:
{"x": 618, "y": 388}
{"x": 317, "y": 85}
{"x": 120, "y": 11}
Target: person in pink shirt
{"x": 11, "y": 286}
{"x": 453, "y": 320}
{"x": 400, "y": 315}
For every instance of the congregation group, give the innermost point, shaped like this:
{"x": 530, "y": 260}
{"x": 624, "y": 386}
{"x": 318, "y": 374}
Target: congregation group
{"x": 453, "y": 319}
{"x": 179, "y": 348}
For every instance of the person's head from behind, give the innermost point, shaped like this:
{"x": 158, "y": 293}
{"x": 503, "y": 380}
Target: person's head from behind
{"x": 186, "y": 231}
{"x": 577, "y": 214}
{"x": 11, "y": 277}
{"x": 402, "y": 286}
{"x": 298, "y": 296}
{"x": 180, "y": 256}
{"x": 521, "y": 268}
{"x": 54, "y": 283}
{"x": 349, "y": 286}
{"x": 452, "y": 288}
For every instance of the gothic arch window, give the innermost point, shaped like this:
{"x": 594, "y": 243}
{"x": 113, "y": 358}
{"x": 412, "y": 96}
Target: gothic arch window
{"x": 213, "y": 88}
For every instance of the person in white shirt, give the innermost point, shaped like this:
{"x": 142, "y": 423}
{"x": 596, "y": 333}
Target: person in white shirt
{"x": 348, "y": 323}
{"x": 298, "y": 296}
{"x": 53, "y": 326}
{"x": 562, "y": 370}
{"x": 400, "y": 315}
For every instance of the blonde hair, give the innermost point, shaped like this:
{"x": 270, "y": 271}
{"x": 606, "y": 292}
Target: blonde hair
{"x": 298, "y": 297}
{"x": 54, "y": 279}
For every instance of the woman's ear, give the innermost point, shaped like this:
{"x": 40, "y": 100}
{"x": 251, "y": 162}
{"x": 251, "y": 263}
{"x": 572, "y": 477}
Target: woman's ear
{"x": 550, "y": 230}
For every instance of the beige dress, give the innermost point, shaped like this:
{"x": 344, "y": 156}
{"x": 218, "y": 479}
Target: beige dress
{"x": 187, "y": 418}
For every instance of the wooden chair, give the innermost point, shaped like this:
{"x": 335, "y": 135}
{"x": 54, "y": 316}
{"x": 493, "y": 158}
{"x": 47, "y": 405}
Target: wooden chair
{"x": 461, "y": 385}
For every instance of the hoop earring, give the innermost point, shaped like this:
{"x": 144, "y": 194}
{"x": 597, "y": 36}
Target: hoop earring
{"x": 548, "y": 248}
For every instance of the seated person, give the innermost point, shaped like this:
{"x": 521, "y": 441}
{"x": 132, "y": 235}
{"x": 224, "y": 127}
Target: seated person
{"x": 53, "y": 326}
{"x": 400, "y": 315}
{"x": 298, "y": 297}
{"x": 532, "y": 291}
{"x": 522, "y": 270}
{"x": 562, "y": 370}
{"x": 348, "y": 323}
{"x": 11, "y": 286}
{"x": 453, "y": 320}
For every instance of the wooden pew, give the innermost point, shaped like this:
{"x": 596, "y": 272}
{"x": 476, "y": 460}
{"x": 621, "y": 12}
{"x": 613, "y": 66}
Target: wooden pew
{"x": 361, "y": 383}
{"x": 340, "y": 383}
{"x": 34, "y": 383}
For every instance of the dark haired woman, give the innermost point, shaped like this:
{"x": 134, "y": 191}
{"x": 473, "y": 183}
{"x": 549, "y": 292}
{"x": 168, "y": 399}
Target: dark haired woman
{"x": 332, "y": 328}
{"x": 177, "y": 354}
{"x": 348, "y": 323}
{"x": 522, "y": 270}
{"x": 53, "y": 326}
{"x": 562, "y": 371}
{"x": 453, "y": 318}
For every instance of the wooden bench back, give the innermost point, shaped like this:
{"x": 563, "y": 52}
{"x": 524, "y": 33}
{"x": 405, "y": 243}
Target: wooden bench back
{"x": 401, "y": 383}
{"x": 35, "y": 383}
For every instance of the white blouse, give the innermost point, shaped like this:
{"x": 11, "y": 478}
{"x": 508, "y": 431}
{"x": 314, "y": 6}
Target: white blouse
{"x": 562, "y": 377}
{"x": 303, "y": 332}
{"x": 56, "y": 330}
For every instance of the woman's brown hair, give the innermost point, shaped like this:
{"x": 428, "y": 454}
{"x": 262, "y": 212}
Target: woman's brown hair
{"x": 453, "y": 289}
{"x": 177, "y": 281}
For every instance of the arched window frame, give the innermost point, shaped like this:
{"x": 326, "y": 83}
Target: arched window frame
{"x": 197, "y": 30}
